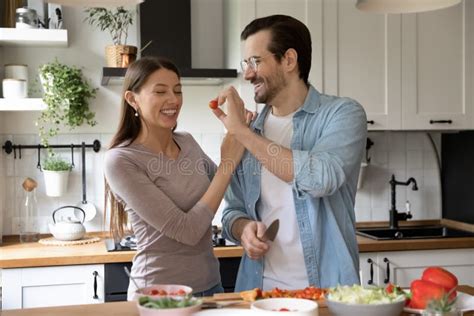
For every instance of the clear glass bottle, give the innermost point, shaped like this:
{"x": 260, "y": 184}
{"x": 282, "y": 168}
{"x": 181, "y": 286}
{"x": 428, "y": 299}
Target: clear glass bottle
{"x": 29, "y": 231}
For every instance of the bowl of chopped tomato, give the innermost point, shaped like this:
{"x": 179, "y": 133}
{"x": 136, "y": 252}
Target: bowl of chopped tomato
{"x": 164, "y": 290}
{"x": 285, "y": 307}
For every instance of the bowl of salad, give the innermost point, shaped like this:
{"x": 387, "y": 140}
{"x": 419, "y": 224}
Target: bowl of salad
{"x": 289, "y": 307}
{"x": 356, "y": 300}
{"x": 168, "y": 306}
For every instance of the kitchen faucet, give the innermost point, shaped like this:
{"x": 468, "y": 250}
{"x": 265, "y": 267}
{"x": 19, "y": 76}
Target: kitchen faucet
{"x": 395, "y": 216}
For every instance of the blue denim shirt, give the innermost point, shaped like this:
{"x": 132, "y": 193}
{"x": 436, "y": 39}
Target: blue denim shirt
{"x": 329, "y": 137}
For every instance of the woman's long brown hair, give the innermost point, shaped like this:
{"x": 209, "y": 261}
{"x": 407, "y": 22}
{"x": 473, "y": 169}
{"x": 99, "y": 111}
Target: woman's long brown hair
{"x": 129, "y": 129}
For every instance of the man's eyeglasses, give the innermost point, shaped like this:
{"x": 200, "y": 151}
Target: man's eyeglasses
{"x": 252, "y": 62}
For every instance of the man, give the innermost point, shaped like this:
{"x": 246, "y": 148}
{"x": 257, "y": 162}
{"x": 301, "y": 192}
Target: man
{"x": 301, "y": 166}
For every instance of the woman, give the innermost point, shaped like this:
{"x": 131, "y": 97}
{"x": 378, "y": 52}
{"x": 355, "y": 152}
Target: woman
{"x": 164, "y": 184}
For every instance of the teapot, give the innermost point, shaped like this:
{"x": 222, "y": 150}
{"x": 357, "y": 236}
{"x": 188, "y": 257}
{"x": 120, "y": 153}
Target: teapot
{"x": 69, "y": 229}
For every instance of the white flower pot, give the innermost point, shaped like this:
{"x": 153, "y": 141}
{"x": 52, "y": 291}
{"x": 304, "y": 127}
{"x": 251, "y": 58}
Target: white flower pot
{"x": 55, "y": 182}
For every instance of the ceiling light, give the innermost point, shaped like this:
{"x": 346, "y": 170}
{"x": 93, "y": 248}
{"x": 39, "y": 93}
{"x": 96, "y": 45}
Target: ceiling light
{"x": 403, "y": 6}
{"x": 96, "y": 3}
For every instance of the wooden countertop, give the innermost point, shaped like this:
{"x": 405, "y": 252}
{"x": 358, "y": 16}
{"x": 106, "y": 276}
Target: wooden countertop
{"x": 130, "y": 309}
{"x": 16, "y": 255}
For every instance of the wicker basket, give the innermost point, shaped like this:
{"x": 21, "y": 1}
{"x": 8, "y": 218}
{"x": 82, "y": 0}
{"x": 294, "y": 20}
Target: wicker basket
{"x": 114, "y": 54}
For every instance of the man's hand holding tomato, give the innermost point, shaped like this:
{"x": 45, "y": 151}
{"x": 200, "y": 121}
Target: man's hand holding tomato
{"x": 237, "y": 117}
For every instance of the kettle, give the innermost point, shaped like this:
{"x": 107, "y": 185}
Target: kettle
{"x": 69, "y": 229}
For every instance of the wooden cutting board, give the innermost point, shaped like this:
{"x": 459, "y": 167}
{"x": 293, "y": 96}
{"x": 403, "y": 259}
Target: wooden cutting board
{"x": 235, "y": 296}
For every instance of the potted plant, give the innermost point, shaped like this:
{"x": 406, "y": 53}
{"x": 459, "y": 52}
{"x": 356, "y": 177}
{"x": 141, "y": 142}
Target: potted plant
{"x": 66, "y": 94}
{"x": 116, "y": 22}
{"x": 56, "y": 175}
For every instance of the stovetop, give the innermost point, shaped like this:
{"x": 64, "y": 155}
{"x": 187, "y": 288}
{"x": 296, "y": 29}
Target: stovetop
{"x": 129, "y": 243}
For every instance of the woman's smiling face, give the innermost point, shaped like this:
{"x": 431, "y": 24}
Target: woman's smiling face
{"x": 160, "y": 99}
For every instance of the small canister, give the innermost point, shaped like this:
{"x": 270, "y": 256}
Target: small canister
{"x": 14, "y": 88}
{"x": 16, "y": 71}
{"x": 26, "y": 18}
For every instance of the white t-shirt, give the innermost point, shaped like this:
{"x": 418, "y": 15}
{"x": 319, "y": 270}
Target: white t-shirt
{"x": 284, "y": 265}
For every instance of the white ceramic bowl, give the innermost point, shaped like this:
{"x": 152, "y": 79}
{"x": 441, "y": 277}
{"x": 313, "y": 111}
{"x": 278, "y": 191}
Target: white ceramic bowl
{"x": 157, "y": 290}
{"x": 296, "y": 307}
{"x": 182, "y": 311}
{"x": 342, "y": 309}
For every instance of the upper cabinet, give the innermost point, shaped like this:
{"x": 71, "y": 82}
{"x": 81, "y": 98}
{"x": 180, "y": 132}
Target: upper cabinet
{"x": 33, "y": 37}
{"x": 409, "y": 71}
{"x": 362, "y": 61}
{"x": 437, "y": 69}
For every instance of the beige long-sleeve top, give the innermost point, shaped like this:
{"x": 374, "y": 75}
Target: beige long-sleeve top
{"x": 161, "y": 196}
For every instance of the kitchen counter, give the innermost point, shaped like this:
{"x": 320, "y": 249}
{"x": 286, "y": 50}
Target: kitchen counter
{"x": 17, "y": 255}
{"x": 130, "y": 309}
{"x": 14, "y": 254}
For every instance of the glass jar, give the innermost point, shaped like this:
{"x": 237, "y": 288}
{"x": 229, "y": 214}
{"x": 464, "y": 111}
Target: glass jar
{"x": 26, "y": 18}
{"x": 29, "y": 231}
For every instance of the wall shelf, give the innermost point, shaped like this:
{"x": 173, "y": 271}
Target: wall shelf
{"x": 26, "y": 104}
{"x": 188, "y": 76}
{"x": 33, "y": 37}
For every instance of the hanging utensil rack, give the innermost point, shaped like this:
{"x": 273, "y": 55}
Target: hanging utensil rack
{"x": 9, "y": 147}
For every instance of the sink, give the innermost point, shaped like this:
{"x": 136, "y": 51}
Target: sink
{"x": 414, "y": 232}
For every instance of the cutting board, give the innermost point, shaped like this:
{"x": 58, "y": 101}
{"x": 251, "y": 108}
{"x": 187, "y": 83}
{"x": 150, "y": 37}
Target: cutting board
{"x": 235, "y": 296}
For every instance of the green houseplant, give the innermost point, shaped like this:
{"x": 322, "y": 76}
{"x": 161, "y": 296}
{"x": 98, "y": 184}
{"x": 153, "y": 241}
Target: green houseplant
{"x": 116, "y": 22}
{"x": 56, "y": 175}
{"x": 66, "y": 94}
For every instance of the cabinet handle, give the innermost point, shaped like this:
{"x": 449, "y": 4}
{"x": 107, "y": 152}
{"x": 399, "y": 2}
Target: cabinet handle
{"x": 387, "y": 272}
{"x": 371, "y": 122}
{"x": 441, "y": 121}
{"x": 371, "y": 281}
{"x": 95, "y": 274}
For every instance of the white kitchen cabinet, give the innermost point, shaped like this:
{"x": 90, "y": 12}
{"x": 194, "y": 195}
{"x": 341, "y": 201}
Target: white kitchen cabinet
{"x": 362, "y": 60}
{"x": 52, "y": 286}
{"x": 437, "y": 68}
{"x": 409, "y": 71}
{"x": 402, "y": 267}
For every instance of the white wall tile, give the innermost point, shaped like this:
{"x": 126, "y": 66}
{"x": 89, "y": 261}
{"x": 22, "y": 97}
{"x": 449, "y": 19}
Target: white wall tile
{"x": 415, "y": 141}
{"x": 404, "y": 154}
{"x": 414, "y": 159}
{"x": 396, "y": 153}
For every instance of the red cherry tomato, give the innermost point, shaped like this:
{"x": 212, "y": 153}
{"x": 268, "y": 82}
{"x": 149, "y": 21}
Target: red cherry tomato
{"x": 213, "y": 104}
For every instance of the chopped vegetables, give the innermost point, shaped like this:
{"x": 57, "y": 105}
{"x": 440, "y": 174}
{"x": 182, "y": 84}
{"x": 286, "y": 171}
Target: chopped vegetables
{"x": 167, "y": 302}
{"x": 310, "y": 292}
{"x": 357, "y": 294}
{"x": 179, "y": 292}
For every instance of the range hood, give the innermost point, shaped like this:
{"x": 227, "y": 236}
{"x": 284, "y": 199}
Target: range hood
{"x": 189, "y": 34}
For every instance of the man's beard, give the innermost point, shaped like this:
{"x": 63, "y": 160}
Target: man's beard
{"x": 272, "y": 86}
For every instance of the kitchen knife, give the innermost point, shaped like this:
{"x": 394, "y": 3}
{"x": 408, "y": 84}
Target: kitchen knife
{"x": 272, "y": 230}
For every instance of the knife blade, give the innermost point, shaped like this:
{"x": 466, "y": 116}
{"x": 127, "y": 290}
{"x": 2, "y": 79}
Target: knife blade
{"x": 272, "y": 230}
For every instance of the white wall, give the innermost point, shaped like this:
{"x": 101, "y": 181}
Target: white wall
{"x": 86, "y": 46}
{"x": 405, "y": 154}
